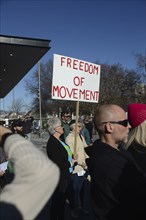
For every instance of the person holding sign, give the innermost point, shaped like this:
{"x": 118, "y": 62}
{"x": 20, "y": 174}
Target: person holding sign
{"x": 78, "y": 177}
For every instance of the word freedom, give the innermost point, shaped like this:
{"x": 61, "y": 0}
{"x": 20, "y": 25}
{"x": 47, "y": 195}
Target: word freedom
{"x": 64, "y": 92}
{"x": 79, "y": 65}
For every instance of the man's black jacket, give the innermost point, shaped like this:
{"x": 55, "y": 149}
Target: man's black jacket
{"x": 118, "y": 187}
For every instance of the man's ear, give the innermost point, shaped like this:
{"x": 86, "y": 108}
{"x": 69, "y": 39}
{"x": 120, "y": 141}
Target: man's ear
{"x": 108, "y": 128}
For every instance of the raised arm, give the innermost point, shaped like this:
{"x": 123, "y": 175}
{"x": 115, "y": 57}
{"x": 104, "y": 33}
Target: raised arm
{"x": 36, "y": 176}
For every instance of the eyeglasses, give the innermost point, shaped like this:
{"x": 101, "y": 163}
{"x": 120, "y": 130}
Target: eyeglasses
{"x": 123, "y": 123}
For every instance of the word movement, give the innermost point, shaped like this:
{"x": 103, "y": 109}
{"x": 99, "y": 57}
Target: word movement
{"x": 62, "y": 92}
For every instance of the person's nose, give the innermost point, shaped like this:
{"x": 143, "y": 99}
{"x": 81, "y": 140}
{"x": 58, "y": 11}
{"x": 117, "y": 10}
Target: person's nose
{"x": 129, "y": 126}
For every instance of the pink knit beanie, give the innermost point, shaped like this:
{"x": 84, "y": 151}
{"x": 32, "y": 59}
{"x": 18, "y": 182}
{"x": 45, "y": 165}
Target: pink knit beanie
{"x": 136, "y": 114}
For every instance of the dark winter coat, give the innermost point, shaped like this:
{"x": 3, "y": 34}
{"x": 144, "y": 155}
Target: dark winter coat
{"x": 57, "y": 153}
{"x": 139, "y": 153}
{"x": 118, "y": 188}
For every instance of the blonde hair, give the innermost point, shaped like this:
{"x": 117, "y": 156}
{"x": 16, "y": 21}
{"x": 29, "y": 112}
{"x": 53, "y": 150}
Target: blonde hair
{"x": 137, "y": 135}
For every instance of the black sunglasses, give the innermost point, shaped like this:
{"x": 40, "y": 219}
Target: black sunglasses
{"x": 123, "y": 123}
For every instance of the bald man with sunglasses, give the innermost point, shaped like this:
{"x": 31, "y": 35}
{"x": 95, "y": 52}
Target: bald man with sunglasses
{"x": 118, "y": 187}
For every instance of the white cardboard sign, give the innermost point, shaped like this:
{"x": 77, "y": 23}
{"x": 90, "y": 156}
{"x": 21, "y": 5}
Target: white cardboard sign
{"x": 75, "y": 80}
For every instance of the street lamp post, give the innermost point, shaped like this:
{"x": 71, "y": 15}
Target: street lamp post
{"x": 39, "y": 97}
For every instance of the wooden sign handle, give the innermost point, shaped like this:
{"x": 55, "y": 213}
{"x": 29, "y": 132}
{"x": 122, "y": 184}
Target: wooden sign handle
{"x": 76, "y": 126}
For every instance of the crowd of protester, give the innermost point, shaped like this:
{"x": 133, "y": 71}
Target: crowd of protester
{"x": 112, "y": 169}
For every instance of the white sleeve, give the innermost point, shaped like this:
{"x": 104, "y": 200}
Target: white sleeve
{"x": 84, "y": 142}
{"x": 36, "y": 177}
{"x": 70, "y": 142}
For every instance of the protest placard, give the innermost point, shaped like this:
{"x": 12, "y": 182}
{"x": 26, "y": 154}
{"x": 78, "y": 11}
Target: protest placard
{"x": 75, "y": 79}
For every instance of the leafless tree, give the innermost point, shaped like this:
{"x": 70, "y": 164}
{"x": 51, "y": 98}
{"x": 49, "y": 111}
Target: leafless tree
{"x": 117, "y": 85}
{"x": 17, "y": 106}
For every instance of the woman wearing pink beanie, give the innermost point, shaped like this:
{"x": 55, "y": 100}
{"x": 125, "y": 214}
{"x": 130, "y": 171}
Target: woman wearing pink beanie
{"x": 137, "y": 137}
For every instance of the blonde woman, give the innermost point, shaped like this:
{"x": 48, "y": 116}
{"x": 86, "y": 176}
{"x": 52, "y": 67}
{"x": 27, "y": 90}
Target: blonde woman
{"x": 136, "y": 144}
